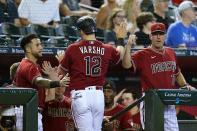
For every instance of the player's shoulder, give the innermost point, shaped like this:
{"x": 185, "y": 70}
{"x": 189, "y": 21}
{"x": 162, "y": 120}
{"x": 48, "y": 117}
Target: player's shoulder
{"x": 74, "y": 45}
{"x": 142, "y": 51}
{"x": 27, "y": 63}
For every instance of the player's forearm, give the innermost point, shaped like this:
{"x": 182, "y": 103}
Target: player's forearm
{"x": 126, "y": 61}
{"x": 181, "y": 80}
{"x": 121, "y": 50}
{"x": 46, "y": 83}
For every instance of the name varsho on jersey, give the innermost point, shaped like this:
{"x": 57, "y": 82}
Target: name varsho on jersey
{"x": 92, "y": 50}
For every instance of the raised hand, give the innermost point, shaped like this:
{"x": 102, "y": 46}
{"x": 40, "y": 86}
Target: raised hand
{"x": 60, "y": 55}
{"x": 121, "y": 31}
{"x": 132, "y": 40}
{"x": 65, "y": 81}
{"x": 50, "y": 71}
{"x": 118, "y": 96}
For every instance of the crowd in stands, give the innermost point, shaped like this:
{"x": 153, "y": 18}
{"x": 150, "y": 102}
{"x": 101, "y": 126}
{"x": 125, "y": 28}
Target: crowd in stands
{"x": 56, "y": 19}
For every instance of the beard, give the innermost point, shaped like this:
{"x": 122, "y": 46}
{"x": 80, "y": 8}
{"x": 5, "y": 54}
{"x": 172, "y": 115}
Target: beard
{"x": 37, "y": 55}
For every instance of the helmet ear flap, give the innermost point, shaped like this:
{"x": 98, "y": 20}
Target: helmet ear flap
{"x": 87, "y": 25}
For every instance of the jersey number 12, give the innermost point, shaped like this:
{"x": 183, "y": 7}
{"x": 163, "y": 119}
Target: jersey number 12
{"x": 93, "y": 65}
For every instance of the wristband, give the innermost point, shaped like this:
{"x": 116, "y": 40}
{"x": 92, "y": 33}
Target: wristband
{"x": 120, "y": 41}
{"x": 54, "y": 84}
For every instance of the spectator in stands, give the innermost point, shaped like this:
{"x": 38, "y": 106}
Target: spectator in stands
{"x": 104, "y": 13}
{"x": 160, "y": 9}
{"x": 111, "y": 108}
{"x": 8, "y": 12}
{"x": 29, "y": 73}
{"x": 116, "y": 21}
{"x": 182, "y": 34}
{"x": 71, "y": 8}
{"x": 144, "y": 23}
{"x": 42, "y": 12}
{"x": 132, "y": 10}
{"x": 147, "y": 6}
{"x": 128, "y": 97}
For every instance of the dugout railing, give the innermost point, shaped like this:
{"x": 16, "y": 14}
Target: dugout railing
{"x": 26, "y": 97}
{"x": 155, "y": 101}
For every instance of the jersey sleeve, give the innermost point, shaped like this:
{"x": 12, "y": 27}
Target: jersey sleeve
{"x": 115, "y": 56}
{"x": 33, "y": 72}
{"x": 125, "y": 121}
{"x": 136, "y": 60}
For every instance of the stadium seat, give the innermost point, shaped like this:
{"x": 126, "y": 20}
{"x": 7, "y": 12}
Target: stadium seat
{"x": 13, "y": 33}
{"x": 3, "y": 42}
{"x": 12, "y": 30}
{"x": 63, "y": 43}
{"x": 70, "y": 32}
{"x": 70, "y": 20}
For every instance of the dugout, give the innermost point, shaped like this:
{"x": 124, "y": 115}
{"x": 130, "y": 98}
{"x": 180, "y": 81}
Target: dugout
{"x": 155, "y": 100}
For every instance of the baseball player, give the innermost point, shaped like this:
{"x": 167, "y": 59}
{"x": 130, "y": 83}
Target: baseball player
{"x": 28, "y": 73}
{"x": 111, "y": 108}
{"x": 158, "y": 69}
{"x": 57, "y": 113}
{"x": 87, "y": 62}
{"x": 129, "y": 97}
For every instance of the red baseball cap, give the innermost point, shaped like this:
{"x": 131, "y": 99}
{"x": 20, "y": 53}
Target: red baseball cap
{"x": 158, "y": 27}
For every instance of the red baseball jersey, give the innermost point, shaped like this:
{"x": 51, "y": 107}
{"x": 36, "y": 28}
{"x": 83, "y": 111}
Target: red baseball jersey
{"x": 25, "y": 75}
{"x": 57, "y": 116}
{"x": 192, "y": 110}
{"x": 123, "y": 122}
{"x": 87, "y": 63}
{"x": 157, "y": 69}
{"x": 136, "y": 122}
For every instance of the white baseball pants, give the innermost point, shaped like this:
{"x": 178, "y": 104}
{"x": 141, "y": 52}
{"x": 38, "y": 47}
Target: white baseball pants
{"x": 88, "y": 108}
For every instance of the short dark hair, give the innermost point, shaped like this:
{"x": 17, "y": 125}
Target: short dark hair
{"x": 109, "y": 84}
{"x": 87, "y": 24}
{"x": 143, "y": 19}
{"x": 27, "y": 39}
{"x": 133, "y": 92}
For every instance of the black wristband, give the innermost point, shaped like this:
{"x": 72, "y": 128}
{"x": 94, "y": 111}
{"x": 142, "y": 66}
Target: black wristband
{"x": 54, "y": 84}
{"x": 120, "y": 41}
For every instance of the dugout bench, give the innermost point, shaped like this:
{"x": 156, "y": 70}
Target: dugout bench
{"x": 155, "y": 100}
